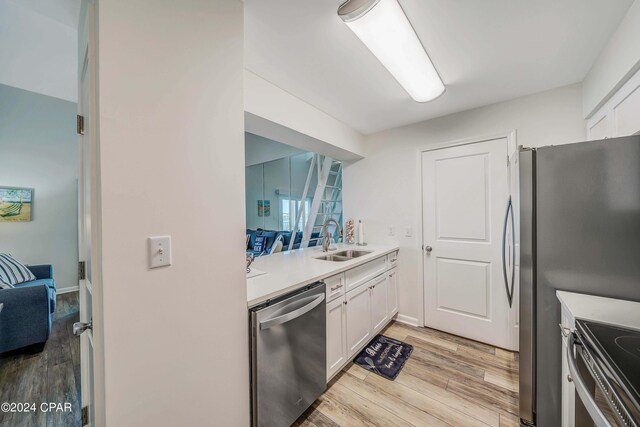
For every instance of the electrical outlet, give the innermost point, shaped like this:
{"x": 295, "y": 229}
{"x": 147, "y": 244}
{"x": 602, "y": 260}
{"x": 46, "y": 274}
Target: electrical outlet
{"x": 392, "y": 232}
{"x": 159, "y": 251}
{"x": 408, "y": 232}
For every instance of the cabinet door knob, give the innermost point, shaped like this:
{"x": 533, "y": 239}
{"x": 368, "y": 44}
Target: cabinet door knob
{"x": 569, "y": 378}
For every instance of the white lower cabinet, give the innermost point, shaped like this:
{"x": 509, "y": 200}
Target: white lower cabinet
{"x": 357, "y": 314}
{"x": 358, "y": 318}
{"x": 392, "y": 291}
{"x": 336, "y": 336}
{"x": 357, "y": 276}
{"x": 379, "y": 311}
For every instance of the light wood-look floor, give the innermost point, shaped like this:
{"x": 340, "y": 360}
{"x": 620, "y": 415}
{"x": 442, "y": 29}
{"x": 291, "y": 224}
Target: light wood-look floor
{"x": 52, "y": 375}
{"x": 447, "y": 381}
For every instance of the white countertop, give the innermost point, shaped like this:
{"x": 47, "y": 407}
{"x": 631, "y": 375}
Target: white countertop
{"x": 606, "y": 310}
{"x": 288, "y": 271}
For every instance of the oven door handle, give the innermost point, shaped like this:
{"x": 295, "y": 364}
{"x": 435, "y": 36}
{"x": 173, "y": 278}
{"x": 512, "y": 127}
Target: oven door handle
{"x": 589, "y": 402}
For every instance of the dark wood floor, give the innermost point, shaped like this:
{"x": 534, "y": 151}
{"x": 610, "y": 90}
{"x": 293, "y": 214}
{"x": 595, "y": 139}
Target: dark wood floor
{"x": 447, "y": 381}
{"x": 50, "y": 376}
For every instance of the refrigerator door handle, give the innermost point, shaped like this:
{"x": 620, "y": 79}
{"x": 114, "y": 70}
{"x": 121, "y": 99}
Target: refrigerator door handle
{"x": 512, "y": 254}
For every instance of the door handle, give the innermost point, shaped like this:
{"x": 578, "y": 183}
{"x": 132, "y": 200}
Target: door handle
{"x": 80, "y": 327}
{"x": 428, "y": 249}
{"x": 509, "y": 289}
{"x": 279, "y": 320}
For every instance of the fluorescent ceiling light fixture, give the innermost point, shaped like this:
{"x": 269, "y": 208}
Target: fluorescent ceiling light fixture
{"x": 385, "y": 30}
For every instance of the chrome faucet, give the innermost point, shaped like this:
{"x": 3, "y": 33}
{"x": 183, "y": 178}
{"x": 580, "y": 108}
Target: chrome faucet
{"x": 326, "y": 238}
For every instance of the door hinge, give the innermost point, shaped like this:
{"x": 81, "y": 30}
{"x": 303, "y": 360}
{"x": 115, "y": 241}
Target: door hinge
{"x": 85, "y": 415}
{"x": 80, "y": 124}
{"x": 82, "y": 273}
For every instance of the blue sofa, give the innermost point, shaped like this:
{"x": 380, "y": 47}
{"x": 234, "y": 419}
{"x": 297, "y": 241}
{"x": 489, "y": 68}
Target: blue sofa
{"x": 27, "y": 312}
{"x": 272, "y": 236}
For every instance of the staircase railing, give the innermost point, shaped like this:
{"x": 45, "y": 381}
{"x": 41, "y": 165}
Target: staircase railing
{"x": 300, "y": 213}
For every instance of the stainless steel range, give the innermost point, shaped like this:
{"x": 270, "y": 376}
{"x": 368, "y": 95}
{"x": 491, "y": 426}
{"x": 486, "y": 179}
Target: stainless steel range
{"x": 604, "y": 362}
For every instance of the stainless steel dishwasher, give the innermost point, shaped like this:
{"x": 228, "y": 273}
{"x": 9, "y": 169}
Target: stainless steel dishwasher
{"x": 288, "y": 356}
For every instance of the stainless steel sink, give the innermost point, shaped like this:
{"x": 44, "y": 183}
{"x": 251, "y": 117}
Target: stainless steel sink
{"x": 336, "y": 258}
{"x": 352, "y": 253}
{"x": 344, "y": 255}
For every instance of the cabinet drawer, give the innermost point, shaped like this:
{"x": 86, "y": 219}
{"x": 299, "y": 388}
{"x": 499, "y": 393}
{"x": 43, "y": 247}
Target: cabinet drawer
{"x": 392, "y": 259}
{"x": 360, "y": 275}
{"x": 334, "y": 286}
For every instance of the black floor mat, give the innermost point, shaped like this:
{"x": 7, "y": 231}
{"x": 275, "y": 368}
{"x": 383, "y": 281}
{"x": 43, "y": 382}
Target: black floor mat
{"x": 384, "y": 356}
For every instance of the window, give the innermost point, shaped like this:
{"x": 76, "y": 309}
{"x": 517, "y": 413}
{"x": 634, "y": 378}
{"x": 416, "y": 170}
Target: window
{"x": 286, "y": 217}
{"x": 289, "y": 212}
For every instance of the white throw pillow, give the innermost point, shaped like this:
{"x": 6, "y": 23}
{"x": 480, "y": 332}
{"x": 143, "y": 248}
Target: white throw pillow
{"x": 13, "y": 272}
{"x": 5, "y": 285}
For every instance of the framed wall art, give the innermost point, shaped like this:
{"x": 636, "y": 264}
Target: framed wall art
{"x": 15, "y": 204}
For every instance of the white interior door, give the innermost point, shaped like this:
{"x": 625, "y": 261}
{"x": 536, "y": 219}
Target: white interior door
{"x": 465, "y": 195}
{"x": 88, "y": 215}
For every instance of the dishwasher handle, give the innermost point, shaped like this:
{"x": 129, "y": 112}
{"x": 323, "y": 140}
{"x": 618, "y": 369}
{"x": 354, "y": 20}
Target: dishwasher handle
{"x": 294, "y": 314}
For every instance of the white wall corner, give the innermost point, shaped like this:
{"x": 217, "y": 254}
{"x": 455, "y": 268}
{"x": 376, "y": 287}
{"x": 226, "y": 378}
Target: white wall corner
{"x": 407, "y": 320}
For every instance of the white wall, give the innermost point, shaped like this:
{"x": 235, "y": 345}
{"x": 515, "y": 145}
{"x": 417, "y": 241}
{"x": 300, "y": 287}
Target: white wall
{"x": 383, "y": 189}
{"x": 39, "y": 149}
{"x": 258, "y": 149}
{"x": 172, "y": 148}
{"x": 279, "y": 115}
{"x": 38, "y": 53}
{"x": 254, "y": 183}
{"x": 618, "y": 61}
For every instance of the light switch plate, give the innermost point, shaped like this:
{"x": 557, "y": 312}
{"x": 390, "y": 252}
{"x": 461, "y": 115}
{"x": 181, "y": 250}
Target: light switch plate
{"x": 159, "y": 251}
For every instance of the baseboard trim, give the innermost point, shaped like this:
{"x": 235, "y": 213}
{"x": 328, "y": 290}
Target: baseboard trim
{"x": 67, "y": 290}
{"x": 408, "y": 320}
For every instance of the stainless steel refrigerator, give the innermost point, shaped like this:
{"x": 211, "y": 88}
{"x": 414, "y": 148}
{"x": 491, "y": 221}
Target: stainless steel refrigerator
{"x": 579, "y": 232}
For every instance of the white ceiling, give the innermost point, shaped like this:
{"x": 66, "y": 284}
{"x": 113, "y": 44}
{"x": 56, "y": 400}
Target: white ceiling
{"x": 485, "y": 51}
{"x": 39, "y": 46}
